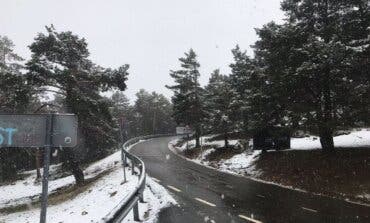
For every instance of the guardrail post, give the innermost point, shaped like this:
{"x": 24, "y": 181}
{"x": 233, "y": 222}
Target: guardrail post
{"x": 124, "y": 160}
{"x": 132, "y": 167}
{"x": 141, "y": 197}
{"x": 136, "y": 212}
{"x": 141, "y": 171}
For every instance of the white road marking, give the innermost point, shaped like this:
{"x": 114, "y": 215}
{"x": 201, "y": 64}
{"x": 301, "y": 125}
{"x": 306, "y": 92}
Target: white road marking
{"x": 249, "y": 219}
{"x": 309, "y": 209}
{"x": 259, "y": 195}
{"x": 174, "y": 188}
{"x": 205, "y": 202}
{"x": 155, "y": 179}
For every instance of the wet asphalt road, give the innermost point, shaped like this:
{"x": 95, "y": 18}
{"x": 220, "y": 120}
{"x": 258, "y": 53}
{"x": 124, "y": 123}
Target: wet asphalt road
{"x": 206, "y": 195}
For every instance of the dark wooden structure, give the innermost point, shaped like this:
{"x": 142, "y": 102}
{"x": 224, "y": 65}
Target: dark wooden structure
{"x": 273, "y": 138}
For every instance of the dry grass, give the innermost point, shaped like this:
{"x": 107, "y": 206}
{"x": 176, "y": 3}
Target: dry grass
{"x": 345, "y": 173}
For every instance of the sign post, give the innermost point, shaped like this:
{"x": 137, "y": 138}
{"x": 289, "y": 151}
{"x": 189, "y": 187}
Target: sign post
{"x": 45, "y": 175}
{"x": 39, "y": 130}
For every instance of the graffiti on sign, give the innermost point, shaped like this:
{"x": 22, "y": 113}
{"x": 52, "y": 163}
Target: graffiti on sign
{"x": 6, "y": 136}
{"x": 30, "y": 130}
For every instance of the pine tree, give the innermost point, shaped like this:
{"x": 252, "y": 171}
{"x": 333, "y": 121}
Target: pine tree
{"x": 188, "y": 95}
{"x": 239, "y": 80}
{"x": 123, "y": 113}
{"x": 60, "y": 61}
{"x": 355, "y": 28}
{"x": 163, "y": 123}
{"x": 254, "y": 105}
{"x": 15, "y": 93}
{"x": 152, "y": 114}
{"x": 309, "y": 63}
{"x": 16, "y": 96}
{"x": 218, "y": 105}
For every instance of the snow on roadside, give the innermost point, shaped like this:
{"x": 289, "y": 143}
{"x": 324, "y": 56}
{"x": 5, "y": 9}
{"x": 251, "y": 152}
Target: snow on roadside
{"x": 202, "y": 157}
{"x": 360, "y": 138}
{"x": 23, "y": 191}
{"x": 241, "y": 164}
{"x": 91, "y": 205}
{"x": 156, "y": 198}
{"x": 103, "y": 196}
{"x": 26, "y": 190}
{"x": 354, "y": 139}
{"x": 205, "y": 141}
{"x": 364, "y": 196}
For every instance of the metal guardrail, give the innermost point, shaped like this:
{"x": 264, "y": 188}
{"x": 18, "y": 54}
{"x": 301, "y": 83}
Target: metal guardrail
{"x": 131, "y": 202}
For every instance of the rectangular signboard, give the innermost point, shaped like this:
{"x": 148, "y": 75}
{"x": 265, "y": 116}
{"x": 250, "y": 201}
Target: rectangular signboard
{"x": 183, "y": 130}
{"x": 30, "y": 130}
{"x": 65, "y": 130}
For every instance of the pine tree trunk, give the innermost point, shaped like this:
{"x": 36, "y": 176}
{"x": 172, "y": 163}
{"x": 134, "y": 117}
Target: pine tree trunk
{"x": 197, "y": 136}
{"x": 78, "y": 174}
{"x": 73, "y": 165}
{"x": 326, "y": 139}
{"x": 68, "y": 155}
{"x": 327, "y": 118}
{"x": 226, "y": 138}
{"x": 8, "y": 170}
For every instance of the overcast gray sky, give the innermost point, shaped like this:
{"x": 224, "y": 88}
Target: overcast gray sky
{"x": 149, "y": 35}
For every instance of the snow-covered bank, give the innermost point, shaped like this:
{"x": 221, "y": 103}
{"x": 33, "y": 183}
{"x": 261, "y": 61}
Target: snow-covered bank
{"x": 204, "y": 141}
{"x": 90, "y": 203}
{"x": 360, "y": 138}
{"x": 99, "y": 199}
{"x": 243, "y": 163}
{"x": 354, "y": 139}
{"x": 239, "y": 163}
{"x": 26, "y": 190}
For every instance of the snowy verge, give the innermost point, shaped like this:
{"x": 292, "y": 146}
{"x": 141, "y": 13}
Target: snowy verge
{"x": 355, "y": 139}
{"x": 96, "y": 200}
{"x": 156, "y": 198}
{"x": 204, "y": 140}
{"x": 26, "y": 190}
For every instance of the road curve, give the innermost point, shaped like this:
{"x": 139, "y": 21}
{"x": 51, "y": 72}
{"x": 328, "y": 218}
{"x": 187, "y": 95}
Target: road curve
{"x": 206, "y": 195}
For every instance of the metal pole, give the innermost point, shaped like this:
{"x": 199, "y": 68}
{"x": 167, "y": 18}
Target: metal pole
{"x": 45, "y": 175}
